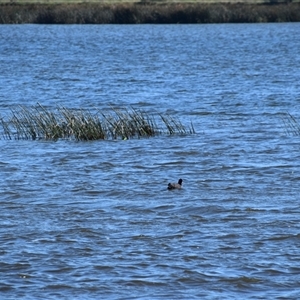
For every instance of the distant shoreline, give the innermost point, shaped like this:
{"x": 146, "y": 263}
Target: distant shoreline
{"x": 148, "y": 13}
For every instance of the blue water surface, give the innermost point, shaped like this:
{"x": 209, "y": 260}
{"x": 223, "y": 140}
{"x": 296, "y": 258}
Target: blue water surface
{"x": 94, "y": 220}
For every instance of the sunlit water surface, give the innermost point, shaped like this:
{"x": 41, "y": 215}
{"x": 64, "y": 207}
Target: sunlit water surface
{"x": 94, "y": 220}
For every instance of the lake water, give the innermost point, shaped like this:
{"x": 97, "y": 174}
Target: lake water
{"x": 94, "y": 220}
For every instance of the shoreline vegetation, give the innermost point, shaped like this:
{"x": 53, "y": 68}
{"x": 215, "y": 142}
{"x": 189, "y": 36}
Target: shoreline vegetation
{"x": 41, "y": 123}
{"x": 148, "y": 12}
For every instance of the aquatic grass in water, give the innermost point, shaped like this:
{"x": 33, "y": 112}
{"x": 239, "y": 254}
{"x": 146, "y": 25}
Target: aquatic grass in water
{"x": 290, "y": 124}
{"x": 83, "y": 125}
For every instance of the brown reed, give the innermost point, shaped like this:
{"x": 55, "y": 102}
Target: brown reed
{"x": 38, "y": 122}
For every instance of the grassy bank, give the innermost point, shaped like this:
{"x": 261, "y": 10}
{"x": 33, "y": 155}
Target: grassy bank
{"x": 147, "y": 12}
{"x": 146, "y": 1}
{"x": 75, "y": 1}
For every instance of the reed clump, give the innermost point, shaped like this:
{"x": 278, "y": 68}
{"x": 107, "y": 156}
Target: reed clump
{"x": 39, "y": 122}
{"x": 290, "y": 124}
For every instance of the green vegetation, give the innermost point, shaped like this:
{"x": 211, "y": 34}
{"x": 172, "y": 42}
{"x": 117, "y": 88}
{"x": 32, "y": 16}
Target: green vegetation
{"x": 150, "y": 12}
{"x": 82, "y": 125}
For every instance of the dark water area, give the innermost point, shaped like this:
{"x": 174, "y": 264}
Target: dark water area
{"x": 91, "y": 220}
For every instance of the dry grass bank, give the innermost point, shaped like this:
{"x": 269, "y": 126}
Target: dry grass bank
{"x": 152, "y": 13}
{"x": 146, "y": 1}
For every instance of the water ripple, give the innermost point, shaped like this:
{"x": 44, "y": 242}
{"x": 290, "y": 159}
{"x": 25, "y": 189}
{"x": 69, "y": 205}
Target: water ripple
{"x": 95, "y": 220}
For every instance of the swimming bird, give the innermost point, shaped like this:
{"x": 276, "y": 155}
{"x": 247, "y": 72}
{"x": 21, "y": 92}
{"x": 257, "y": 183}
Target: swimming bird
{"x": 172, "y": 186}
